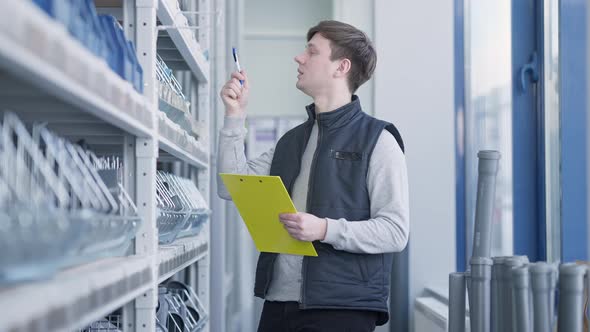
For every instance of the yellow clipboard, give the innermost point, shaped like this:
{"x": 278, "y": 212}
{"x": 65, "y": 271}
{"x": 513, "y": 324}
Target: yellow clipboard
{"x": 260, "y": 200}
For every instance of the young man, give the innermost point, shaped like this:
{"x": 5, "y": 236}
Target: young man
{"x": 343, "y": 167}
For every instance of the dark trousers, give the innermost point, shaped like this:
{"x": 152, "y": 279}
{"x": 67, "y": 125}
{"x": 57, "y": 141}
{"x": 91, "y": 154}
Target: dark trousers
{"x": 287, "y": 317}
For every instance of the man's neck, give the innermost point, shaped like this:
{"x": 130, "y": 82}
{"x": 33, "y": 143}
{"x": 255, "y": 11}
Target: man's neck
{"x": 328, "y": 103}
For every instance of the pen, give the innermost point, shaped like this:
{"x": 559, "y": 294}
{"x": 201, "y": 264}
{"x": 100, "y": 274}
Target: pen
{"x": 235, "y": 54}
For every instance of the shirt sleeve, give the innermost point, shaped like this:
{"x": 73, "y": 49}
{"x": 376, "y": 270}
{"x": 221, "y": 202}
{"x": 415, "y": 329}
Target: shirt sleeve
{"x": 388, "y": 228}
{"x": 232, "y": 157}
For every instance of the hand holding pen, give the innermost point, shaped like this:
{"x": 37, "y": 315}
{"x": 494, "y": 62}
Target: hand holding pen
{"x": 237, "y": 62}
{"x": 235, "y": 92}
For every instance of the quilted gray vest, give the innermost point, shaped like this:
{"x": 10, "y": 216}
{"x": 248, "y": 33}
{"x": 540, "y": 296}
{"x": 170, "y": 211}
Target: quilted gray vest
{"x": 337, "y": 189}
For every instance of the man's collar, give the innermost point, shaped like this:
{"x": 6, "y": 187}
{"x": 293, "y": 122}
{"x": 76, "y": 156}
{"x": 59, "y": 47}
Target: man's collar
{"x": 337, "y": 117}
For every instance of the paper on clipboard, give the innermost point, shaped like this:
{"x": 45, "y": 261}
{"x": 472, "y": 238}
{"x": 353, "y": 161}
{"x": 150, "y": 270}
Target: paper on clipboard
{"x": 260, "y": 200}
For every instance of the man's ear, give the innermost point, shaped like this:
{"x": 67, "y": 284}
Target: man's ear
{"x": 343, "y": 67}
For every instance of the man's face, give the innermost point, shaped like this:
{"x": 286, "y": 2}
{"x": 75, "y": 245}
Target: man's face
{"x": 316, "y": 71}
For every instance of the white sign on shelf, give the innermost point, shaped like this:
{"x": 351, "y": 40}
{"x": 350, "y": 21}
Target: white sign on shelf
{"x": 265, "y": 132}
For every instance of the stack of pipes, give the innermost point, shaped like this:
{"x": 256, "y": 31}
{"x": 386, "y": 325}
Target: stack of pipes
{"x": 509, "y": 294}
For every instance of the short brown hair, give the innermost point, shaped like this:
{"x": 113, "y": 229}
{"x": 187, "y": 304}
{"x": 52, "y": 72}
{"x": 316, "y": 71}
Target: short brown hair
{"x": 351, "y": 43}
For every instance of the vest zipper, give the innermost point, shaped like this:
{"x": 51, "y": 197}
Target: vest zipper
{"x": 309, "y": 191}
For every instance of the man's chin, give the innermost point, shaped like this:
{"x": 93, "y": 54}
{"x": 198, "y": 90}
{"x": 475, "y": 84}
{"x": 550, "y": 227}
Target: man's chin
{"x": 302, "y": 89}
{"x": 299, "y": 86}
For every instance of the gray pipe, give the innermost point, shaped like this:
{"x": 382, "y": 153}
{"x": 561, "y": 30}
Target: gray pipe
{"x": 571, "y": 297}
{"x": 521, "y": 291}
{"x": 467, "y": 276}
{"x": 523, "y": 259}
{"x": 553, "y": 278}
{"x": 507, "y": 304}
{"x": 541, "y": 285}
{"x": 486, "y": 189}
{"x": 456, "y": 302}
{"x": 496, "y": 315}
{"x": 481, "y": 275}
{"x": 525, "y": 262}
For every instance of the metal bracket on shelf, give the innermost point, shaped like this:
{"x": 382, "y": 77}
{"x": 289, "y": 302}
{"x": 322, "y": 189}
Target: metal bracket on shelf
{"x": 146, "y": 148}
{"x": 217, "y": 13}
{"x": 146, "y": 151}
{"x": 177, "y": 27}
{"x": 146, "y": 3}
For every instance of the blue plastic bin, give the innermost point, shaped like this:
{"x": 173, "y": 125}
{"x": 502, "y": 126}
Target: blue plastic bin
{"x": 60, "y": 10}
{"x": 114, "y": 53}
{"x": 121, "y": 63}
{"x": 128, "y": 65}
{"x": 44, "y": 4}
{"x": 138, "y": 71}
{"x": 76, "y": 25}
{"x": 93, "y": 30}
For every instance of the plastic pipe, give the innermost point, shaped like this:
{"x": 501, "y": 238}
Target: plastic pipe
{"x": 486, "y": 189}
{"x": 457, "y": 302}
{"x": 553, "y": 278}
{"x": 467, "y": 275}
{"x": 481, "y": 275}
{"x": 571, "y": 297}
{"x": 496, "y": 315}
{"x": 507, "y": 304}
{"x": 521, "y": 290}
{"x": 541, "y": 286}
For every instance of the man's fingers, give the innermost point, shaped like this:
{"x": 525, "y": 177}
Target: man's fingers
{"x": 290, "y": 230}
{"x": 291, "y": 224}
{"x": 246, "y": 80}
{"x": 289, "y": 216}
{"x": 236, "y": 82}
{"x": 241, "y": 76}
{"x": 235, "y": 86}
{"x": 230, "y": 93}
{"x": 238, "y": 76}
{"x": 226, "y": 92}
{"x": 236, "y": 91}
{"x": 294, "y": 233}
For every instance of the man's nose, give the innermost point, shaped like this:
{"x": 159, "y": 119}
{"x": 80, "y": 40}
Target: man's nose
{"x": 298, "y": 59}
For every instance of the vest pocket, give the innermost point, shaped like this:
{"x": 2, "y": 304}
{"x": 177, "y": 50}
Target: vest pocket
{"x": 374, "y": 266}
{"x": 371, "y": 266}
{"x": 346, "y": 155}
{"x": 338, "y": 266}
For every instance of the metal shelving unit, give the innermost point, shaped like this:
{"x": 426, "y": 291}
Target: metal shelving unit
{"x": 46, "y": 75}
{"x": 75, "y": 296}
{"x": 175, "y": 143}
{"x": 47, "y": 88}
{"x": 180, "y": 48}
{"x": 181, "y": 254}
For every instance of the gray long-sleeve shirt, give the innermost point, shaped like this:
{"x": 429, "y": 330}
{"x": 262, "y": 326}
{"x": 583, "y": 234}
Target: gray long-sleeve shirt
{"x": 386, "y": 231}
